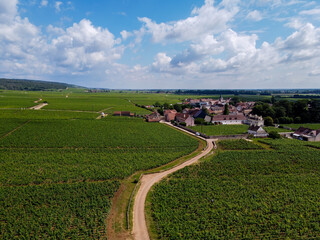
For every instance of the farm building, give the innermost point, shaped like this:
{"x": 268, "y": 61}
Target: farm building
{"x": 153, "y": 117}
{"x": 254, "y": 120}
{"x": 185, "y": 118}
{"x": 169, "y": 115}
{"x": 307, "y": 134}
{"x": 257, "y": 131}
{"x": 229, "y": 119}
{"x": 123, "y": 113}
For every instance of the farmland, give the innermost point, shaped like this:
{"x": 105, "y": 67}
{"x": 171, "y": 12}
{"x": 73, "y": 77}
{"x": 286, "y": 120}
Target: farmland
{"x": 216, "y": 130}
{"x": 274, "y": 129}
{"x": 238, "y": 145}
{"x": 254, "y": 194}
{"x": 306, "y": 125}
{"x": 59, "y": 170}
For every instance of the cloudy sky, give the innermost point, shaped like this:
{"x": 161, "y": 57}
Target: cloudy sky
{"x": 200, "y": 44}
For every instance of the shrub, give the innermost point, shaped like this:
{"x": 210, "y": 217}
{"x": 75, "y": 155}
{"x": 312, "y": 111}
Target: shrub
{"x": 274, "y": 135}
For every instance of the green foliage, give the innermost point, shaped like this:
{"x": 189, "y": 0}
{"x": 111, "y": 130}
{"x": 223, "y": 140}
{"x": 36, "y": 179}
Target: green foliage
{"x": 107, "y": 133}
{"x": 274, "y": 135}
{"x": 177, "y": 107}
{"x": 266, "y": 194}
{"x": 60, "y": 170}
{"x": 226, "y": 109}
{"x": 45, "y": 114}
{"x": 307, "y": 125}
{"x": 268, "y": 121}
{"x": 7, "y": 125}
{"x": 274, "y": 129}
{"x": 30, "y": 85}
{"x": 240, "y": 144}
{"x": 56, "y": 211}
{"x": 199, "y": 121}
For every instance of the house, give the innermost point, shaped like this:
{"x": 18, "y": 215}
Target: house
{"x": 307, "y": 134}
{"x": 257, "y": 131}
{"x": 169, "y": 115}
{"x": 217, "y": 109}
{"x": 197, "y": 113}
{"x": 185, "y": 118}
{"x": 228, "y": 119}
{"x": 207, "y": 119}
{"x": 153, "y": 117}
{"x": 123, "y": 113}
{"x": 254, "y": 120}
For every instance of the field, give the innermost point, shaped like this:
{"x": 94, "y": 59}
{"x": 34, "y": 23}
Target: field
{"x": 274, "y": 129}
{"x": 238, "y": 145}
{"x": 59, "y": 170}
{"x": 256, "y": 194}
{"x": 218, "y": 130}
{"x": 306, "y": 125}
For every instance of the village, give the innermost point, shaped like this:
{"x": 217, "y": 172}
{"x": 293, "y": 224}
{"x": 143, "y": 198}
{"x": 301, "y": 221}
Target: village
{"x": 208, "y": 111}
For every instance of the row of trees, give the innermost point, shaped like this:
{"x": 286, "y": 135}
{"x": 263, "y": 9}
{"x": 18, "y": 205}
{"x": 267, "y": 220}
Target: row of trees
{"x": 285, "y": 112}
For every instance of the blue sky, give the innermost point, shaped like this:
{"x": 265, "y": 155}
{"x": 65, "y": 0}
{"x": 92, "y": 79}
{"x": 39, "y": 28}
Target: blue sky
{"x": 163, "y": 43}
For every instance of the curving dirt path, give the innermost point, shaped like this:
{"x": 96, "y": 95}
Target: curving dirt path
{"x": 140, "y": 231}
{"x": 39, "y": 106}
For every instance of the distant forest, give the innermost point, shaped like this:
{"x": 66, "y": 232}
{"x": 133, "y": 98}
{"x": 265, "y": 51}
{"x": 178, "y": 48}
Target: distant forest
{"x": 266, "y": 92}
{"x": 31, "y": 85}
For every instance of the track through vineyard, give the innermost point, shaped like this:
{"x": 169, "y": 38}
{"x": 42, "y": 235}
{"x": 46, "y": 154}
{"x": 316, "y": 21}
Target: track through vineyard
{"x": 140, "y": 230}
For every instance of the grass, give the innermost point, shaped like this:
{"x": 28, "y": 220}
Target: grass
{"x": 274, "y": 129}
{"x": 306, "y": 125}
{"x": 218, "y": 130}
{"x": 252, "y": 194}
{"x": 57, "y": 153}
{"x": 119, "y": 207}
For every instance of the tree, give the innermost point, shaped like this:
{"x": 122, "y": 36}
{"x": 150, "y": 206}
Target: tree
{"x": 235, "y": 100}
{"x": 198, "y": 121}
{"x": 177, "y": 107}
{"x": 157, "y": 104}
{"x": 268, "y": 121}
{"x": 160, "y": 111}
{"x": 166, "y": 105}
{"x": 226, "y": 109}
{"x": 205, "y": 110}
{"x": 274, "y": 135}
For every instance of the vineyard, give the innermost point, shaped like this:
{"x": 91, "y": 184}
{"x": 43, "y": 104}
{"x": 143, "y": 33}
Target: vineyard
{"x": 238, "y": 145}
{"x": 274, "y": 129}
{"x": 59, "y": 170}
{"x": 46, "y": 114}
{"x": 256, "y": 194}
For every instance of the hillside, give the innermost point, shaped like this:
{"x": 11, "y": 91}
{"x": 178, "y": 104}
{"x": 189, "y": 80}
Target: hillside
{"x": 31, "y": 85}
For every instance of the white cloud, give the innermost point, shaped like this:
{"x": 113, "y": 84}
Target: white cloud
{"x": 125, "y": 34}
{"x": 8, "y": 10}
{"x": 57, "y": 6}
{"x": 205, "y": 20}
{"x": 44, "y": 3}
{"x": 254, "y": 15}
{"x": 78, "y": 50}
{"x": 315, "y": 11}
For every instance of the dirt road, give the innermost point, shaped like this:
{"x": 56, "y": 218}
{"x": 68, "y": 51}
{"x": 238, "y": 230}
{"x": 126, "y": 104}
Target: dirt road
{"x": 41, "y": 105}
{"x": 140, "y": 231}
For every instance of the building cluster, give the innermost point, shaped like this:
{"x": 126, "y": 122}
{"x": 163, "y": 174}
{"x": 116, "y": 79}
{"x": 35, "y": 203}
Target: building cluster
{"x": 307, "y": 134}
{"x": 211, "y": 111}
{"x": 217, "y": 106}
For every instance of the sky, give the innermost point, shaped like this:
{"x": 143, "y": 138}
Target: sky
{"x": 163, "y": 44}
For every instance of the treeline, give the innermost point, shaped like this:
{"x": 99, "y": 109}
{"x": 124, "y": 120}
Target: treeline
{"x": 285, "y": 112}
{"x": 31, "y": 85}
{"x": 266, "y": 92}
{"x": 226, "y": 92}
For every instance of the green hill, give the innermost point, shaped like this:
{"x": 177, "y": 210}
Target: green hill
{"x": 32, "y": 85}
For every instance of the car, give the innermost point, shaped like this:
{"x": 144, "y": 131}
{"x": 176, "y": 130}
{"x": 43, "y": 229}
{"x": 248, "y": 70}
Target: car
{"x": 197, "y": 133}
